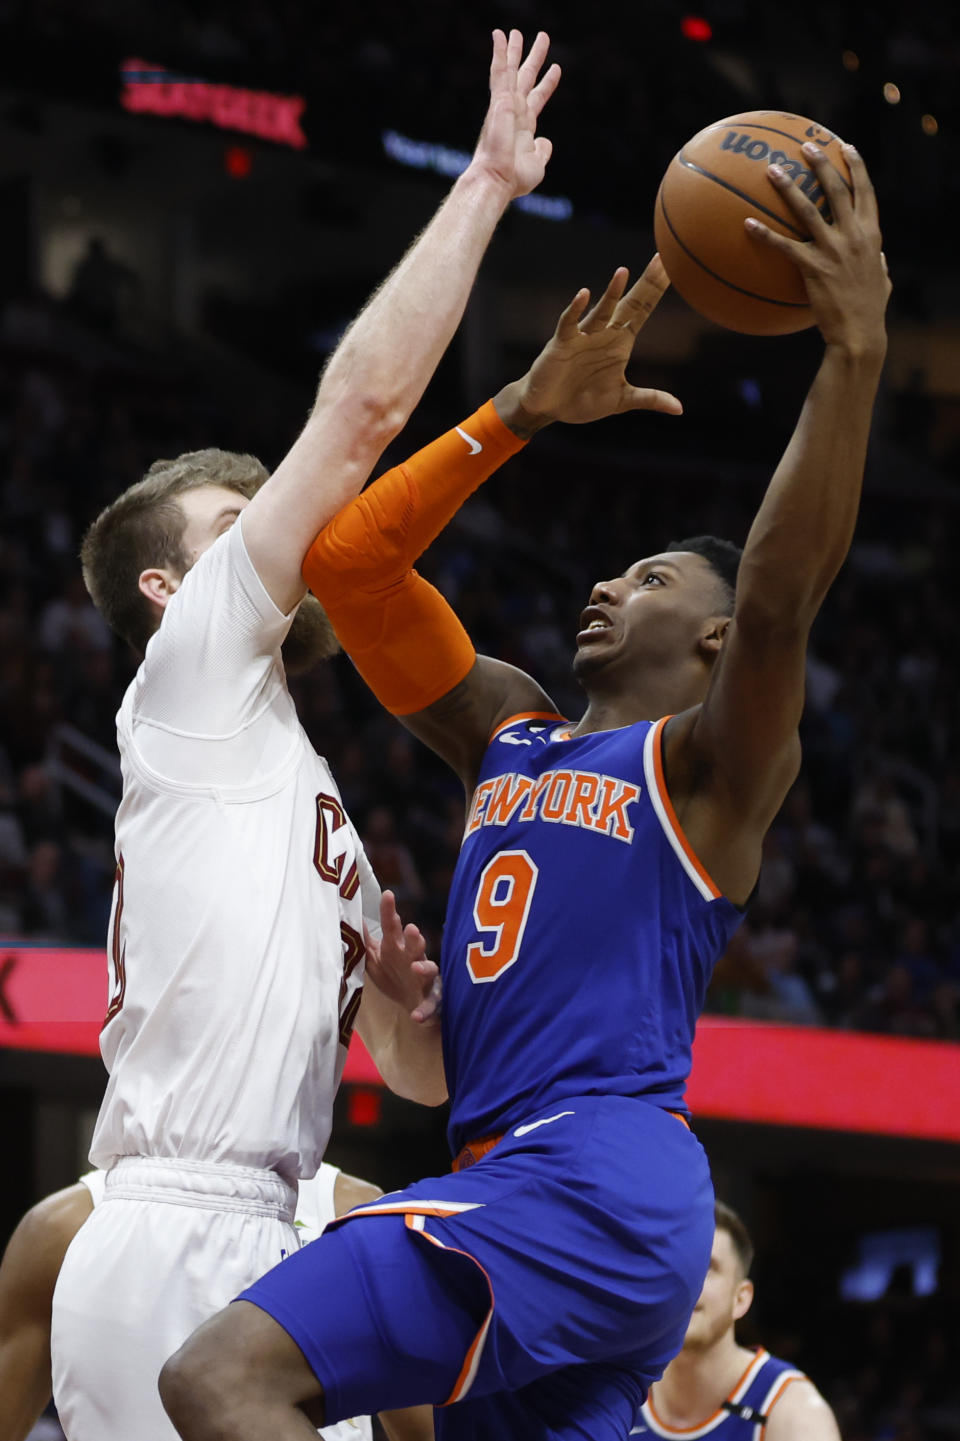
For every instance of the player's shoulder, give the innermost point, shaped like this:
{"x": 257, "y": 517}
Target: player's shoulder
{"x": 39, "y": 1243}
{"x": 58, "y": 1215}
{"x": 797, "y": 1411}
{"x": 351, "y": 1191}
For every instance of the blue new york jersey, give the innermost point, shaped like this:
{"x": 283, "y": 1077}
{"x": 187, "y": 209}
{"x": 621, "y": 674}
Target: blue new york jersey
{"x": 581, "y": 930}
{"x": 742, "y": 1416}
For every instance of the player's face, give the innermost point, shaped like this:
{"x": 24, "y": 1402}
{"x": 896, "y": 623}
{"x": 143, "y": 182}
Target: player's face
{"x": 210, "y": 511}
{"x": 725, "y": 1297}
{"x": 655, "y": 613}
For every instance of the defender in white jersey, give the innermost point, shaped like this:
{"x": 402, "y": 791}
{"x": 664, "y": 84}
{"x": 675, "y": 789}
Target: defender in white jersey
{"x": 260, "y": 953}
{"x": 237, "y": 949}
{"x": 28, "y": 1274}
{"x": 718, "y": 1389}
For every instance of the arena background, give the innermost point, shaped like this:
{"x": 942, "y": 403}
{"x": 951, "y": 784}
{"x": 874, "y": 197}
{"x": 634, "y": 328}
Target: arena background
{"x": 176, "y": 263}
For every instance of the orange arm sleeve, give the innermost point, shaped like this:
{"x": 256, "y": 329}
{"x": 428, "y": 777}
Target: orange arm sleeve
{"x": 400, "y": 633}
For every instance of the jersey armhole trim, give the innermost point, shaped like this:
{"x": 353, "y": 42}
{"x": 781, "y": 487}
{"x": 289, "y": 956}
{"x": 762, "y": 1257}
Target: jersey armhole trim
{"x": 777, "y": 1389}
{"x": 760, "y": 1359}
{"x": 703, "y": 1428}
{"x": 228, "y": 795}
{"x": 211, "y": 737}
{"x": 549, "y": 715}
{"x": 667, "y": 816}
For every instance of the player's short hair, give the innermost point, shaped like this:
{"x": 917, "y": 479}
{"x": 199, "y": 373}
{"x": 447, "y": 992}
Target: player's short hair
{"x": 143, "y": 528}
{"x": 726, "y": 1219}
{"x": 722, "y": 555}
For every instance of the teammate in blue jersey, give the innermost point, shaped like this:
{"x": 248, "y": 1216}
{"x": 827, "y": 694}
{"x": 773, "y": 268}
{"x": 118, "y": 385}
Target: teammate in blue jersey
{"x": 542, "y": 1287}
{"x": 715, "y": 1387}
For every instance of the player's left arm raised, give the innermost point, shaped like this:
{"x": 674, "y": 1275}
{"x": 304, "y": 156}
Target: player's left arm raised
{"x": 731, "y": 761}
{"x": 801, "y": 1414}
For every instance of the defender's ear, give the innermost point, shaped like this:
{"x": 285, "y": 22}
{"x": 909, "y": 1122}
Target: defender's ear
{"x": 158, "y": 586}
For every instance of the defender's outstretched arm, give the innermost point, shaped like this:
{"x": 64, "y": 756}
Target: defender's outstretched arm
{"x": 731, "y": 761}
{"x": 383, "y": 363}
{"x": 404, "y": 638}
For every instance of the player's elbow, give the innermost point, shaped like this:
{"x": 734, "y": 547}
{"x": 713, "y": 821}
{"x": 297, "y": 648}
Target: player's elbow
{"x": 379, "y": 417}
{"x": 370, "y": 415}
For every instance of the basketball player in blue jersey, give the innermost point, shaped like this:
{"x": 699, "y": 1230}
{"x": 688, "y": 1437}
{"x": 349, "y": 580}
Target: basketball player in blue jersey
{"x": 542, "y": 1287}
{"x": 715, "y": 1387}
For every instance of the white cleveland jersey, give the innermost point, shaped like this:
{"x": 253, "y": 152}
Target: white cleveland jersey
{"x": 236, "y": 934}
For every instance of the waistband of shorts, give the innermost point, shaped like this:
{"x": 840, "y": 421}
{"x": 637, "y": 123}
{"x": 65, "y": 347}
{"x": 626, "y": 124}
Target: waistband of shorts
{"x": 475, "y": 1151}
{"x": 211, "y": 1185}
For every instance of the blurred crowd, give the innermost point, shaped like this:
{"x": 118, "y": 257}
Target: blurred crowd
{"x": 886, "y": 1366}
{"x": 855, "y": 922}
{"x": 380, "y": 65}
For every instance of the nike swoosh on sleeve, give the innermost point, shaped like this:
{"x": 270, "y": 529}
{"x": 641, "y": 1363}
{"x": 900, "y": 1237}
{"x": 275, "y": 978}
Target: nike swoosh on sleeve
{"x": 522, "y": 1130}
{"x": 475, "y": 446}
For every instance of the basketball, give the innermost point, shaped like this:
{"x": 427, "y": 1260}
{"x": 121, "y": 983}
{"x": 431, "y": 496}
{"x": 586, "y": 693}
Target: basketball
{"x": 714, "y": 182}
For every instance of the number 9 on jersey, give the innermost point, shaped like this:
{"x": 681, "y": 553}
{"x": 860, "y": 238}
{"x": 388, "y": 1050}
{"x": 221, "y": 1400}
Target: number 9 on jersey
{"x": 507, "y": 884}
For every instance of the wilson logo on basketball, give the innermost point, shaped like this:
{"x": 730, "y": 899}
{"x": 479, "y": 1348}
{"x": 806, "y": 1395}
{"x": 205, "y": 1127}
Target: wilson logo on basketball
{"x": 717, "y": 181}
{"x": 753, "y": 148}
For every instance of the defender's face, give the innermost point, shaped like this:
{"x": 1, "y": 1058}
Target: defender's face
{"x": 654, "y": 612}
{"x": 725, "y": 1297}
{"x": 210, "y": 511}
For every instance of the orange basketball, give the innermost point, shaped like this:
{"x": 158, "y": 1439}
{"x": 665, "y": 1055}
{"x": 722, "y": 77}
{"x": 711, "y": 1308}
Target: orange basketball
{"x": 717, "y": 180}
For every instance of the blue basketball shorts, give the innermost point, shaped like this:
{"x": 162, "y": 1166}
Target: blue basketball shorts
{"x": 536, "y": 1294}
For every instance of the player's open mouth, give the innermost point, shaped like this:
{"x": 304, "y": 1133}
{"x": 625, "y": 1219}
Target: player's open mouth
{"x": 593, "y": 622}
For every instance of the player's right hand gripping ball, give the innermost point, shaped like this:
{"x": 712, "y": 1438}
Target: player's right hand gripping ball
{"x": 711, "y": 185}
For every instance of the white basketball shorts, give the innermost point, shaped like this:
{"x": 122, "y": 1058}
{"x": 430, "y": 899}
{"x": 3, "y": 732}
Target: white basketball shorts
{"x": 172, "y": 1242}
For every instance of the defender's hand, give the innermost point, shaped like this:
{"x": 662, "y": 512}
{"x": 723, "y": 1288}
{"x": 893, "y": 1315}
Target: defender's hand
{"x": 580, "y": 373}
{"x": 398, "y": 964}
{"x": 843, "y": 264}
{"x": 509, "y": 147}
